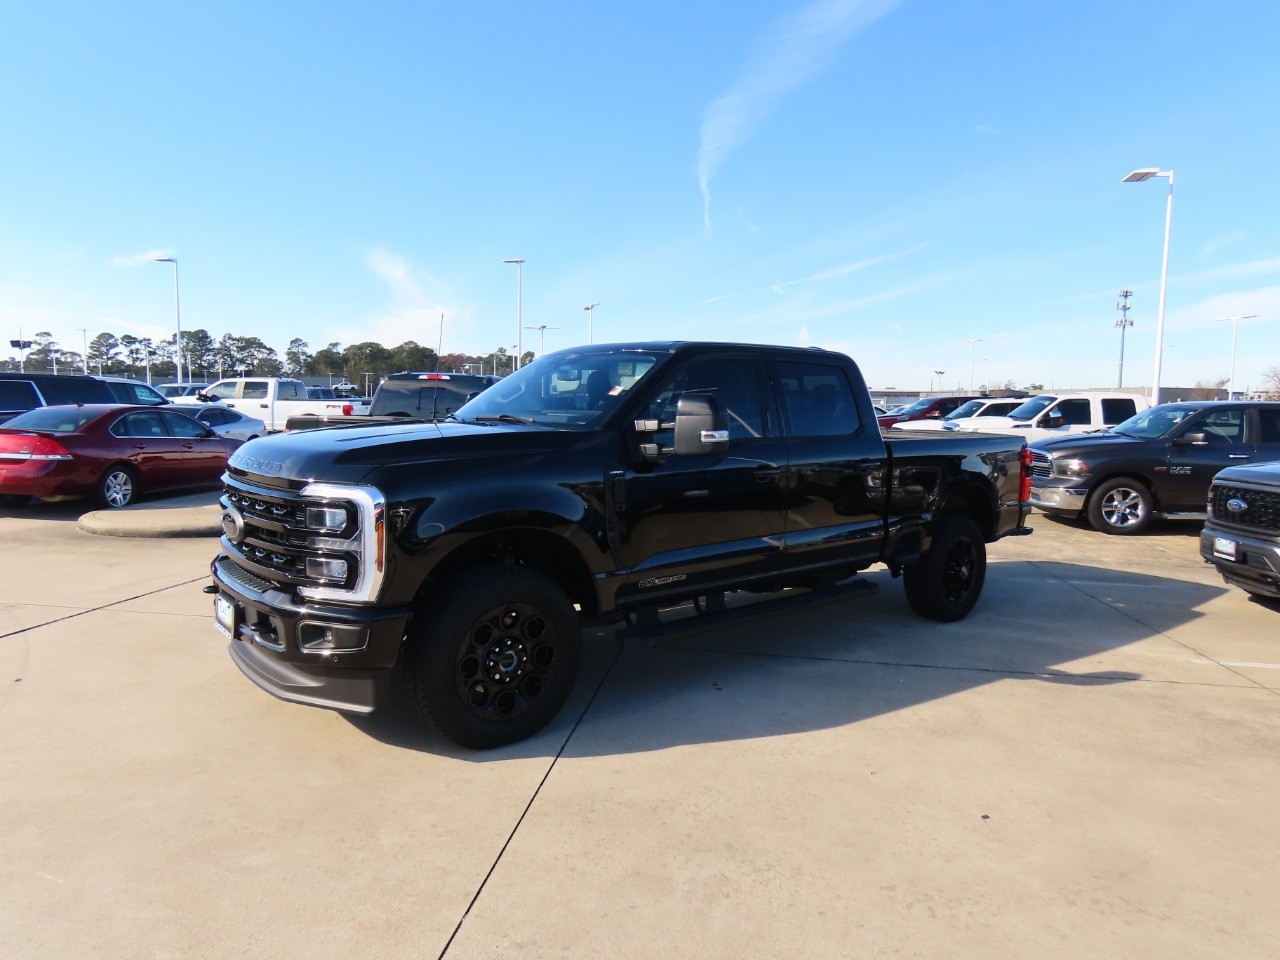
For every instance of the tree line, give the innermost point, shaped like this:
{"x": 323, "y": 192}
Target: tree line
{"x": 205, "y": 359}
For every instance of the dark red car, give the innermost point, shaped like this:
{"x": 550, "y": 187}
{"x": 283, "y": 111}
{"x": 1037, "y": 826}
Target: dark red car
{"x": 926, "y": 408}
{"x": 110, "y": 451}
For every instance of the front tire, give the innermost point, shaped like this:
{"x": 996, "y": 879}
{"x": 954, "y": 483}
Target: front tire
{"x": 1121, "y": 506}
{"x": 947, "y": 581}
{"x": 494, "y": 657}
{"x": 118, "y": 486}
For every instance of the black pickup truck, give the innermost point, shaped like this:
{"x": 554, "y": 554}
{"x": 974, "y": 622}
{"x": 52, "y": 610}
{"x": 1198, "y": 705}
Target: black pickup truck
{"x": 1157, "y": 464}
{"x": 594, "y": 486}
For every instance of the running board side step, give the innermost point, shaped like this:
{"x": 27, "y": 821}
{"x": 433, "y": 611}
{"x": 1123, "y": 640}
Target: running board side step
{"x": 648, "y": 627}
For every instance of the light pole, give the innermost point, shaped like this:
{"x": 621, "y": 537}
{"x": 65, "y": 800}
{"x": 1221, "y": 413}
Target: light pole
{"x": 1139, "y": 176}
{"x": 1235, "y": 328}
{"x": 440, "y": 344}
{"x": 940, "y": 374}
{"x": 84, "y": 357}
{"x": 973, "y": 342}
{"x": 988, "y": 359}
{"x": 590, "y": 333}
{"x": 177, "y": 312}
{"x": 1122, "y": 323}
{"x": 542, "y": 345}
{"x": 519, "y": 321}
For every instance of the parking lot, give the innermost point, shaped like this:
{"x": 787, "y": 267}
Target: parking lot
{"x": 1086, "y": 766}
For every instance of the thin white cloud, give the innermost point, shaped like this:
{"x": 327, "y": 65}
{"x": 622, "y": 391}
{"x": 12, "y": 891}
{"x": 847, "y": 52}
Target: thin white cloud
{"x": 1221, "y": 240}
{"x": 831, "y": 274}
{"x": 137, "y": 259}
{"x": 795, "y": 50}
{"x": 413, "y": 314}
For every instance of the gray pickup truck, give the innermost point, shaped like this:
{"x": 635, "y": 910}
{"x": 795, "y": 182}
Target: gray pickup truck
{"x": 406, "y": 396}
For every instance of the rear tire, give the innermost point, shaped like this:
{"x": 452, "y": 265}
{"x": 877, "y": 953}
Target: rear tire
{"x": 494, "y": 657}
{"x": 118, "y": 486}
{"x": 947, "y": 581}
{"x": 1121, "y": 506}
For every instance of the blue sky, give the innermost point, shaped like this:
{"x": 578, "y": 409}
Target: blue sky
{"x": 889, "y": 179}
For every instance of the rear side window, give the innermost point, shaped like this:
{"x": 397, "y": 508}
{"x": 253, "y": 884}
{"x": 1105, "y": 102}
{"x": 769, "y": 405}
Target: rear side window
{"x": 289, "y": 390}
{"x": 254, "y": 390}
{"x": 18, "y": 395}
{"x": 819, "y": 400}
{"x": 1117, "y": 410}
{"x": 1269, "y": 426}
{"x": 74, "y": 390}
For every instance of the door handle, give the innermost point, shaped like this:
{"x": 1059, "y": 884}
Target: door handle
{"x": 139, "y": 446}
{"x": 1237, "y": 456}
{"x": 263, "y": 406}
{"x": 767, "y": 471}
{"x": 188, "y": 446}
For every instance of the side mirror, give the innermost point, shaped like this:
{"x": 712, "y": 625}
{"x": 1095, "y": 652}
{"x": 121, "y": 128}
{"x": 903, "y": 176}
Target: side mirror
{"x": 1192, "y": 439}
{"x": 934, "y": 413}
{"x": 702, "y": 426}
{"x": 1052, "y": 421}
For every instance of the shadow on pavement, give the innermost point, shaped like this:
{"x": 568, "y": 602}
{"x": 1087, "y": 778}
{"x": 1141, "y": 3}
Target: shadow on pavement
{"x": 842, "y": 663}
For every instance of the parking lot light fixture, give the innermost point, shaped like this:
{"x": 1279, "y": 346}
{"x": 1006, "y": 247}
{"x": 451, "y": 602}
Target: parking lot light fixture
{"x": 590, "y": 333}
{"x": 519, "y": 321}
{"x": 1235, "y": 329}
{"x": 1141, "y": 176}
{"x": 177, "y": 312}
{"x": 542, "y": 345}
{"x": 973, "y": 342}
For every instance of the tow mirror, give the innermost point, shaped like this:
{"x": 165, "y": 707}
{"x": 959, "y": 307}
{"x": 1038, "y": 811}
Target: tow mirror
{"x": 702, "y": 426}
{"x": 1052, "y": 421}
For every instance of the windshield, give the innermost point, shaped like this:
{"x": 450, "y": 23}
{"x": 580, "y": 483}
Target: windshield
{"x": 569, "y": 389}
{"x": 1029, "y": 409}
{"x": 969, "y": 408}
{"x": 916, "y": 407}
{"x": 1149, "y": 424}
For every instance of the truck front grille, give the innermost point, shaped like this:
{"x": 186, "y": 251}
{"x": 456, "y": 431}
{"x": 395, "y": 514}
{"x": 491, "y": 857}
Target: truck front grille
{"x": 1041, "y": 465}
{"x": 1262, "y": 510}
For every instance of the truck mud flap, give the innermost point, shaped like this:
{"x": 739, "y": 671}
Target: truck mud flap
{"x": 694, "y": 617}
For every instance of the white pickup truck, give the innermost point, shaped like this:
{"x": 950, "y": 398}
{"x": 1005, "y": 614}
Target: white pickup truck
{"x": 274, "y": 400}
{"x": 1057, "y": 414}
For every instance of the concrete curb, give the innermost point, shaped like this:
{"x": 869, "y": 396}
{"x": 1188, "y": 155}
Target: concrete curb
{"x": 189, "y": 516}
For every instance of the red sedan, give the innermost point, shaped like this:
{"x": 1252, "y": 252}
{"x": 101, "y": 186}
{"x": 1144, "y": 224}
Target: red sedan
{"x": 106, "y": 450}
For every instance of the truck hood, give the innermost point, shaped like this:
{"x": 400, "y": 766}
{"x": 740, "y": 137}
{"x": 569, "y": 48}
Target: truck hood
{"x": 1266, "y": 473}
{"x": 1084, "y": 442}
{"x": 348, "y": 454}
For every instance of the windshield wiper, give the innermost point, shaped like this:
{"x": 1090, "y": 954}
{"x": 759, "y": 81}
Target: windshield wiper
{"x": 503, "y": 417}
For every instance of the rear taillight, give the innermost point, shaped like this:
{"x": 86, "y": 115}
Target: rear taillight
{"x": 1024, "y": 487}
{"x": 347, "y": 409}
{"x": 26, "y": 446}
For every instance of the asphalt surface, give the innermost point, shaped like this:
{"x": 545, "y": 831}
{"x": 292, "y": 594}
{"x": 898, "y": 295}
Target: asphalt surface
{"x": 1085, "y": 767}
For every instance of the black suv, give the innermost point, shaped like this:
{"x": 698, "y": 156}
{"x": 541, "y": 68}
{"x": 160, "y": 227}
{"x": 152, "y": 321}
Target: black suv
{"x": 20, "y": 392}
{"x": 426, "y": 395}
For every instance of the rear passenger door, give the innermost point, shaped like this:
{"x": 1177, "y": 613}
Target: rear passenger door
{"x": 833, "y": 487}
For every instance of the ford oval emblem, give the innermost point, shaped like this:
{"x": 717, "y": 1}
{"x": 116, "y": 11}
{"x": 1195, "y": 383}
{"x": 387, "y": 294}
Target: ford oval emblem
{"x": 233, "y": 525}
{"x": 1236, "y": 505}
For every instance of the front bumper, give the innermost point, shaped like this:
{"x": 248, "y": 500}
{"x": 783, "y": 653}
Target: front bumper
{"x": 268, "y": 631}
{"x": 1066, "y": 501}
{"x": 1248, "y": 562}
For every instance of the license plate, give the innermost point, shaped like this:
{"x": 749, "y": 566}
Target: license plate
{"x": 224, "y": 616}
{"x": 1224, "y": 548}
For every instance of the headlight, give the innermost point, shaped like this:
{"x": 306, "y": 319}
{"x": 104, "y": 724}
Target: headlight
{"x": 1072, "y": 469}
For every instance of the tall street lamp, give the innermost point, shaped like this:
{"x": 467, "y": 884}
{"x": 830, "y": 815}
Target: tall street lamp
{"x": 1123, "y": 323}
{"x": 590, "y": 333}
{"x": 84, "y": 357}
{"x": 542, "y": 345}
{"x": 1235, "y": 328}
{"x": 519, "y": 321}
{"x": 177, "y": 312}
{"x": 973, "y": 342}
{"x": 988, "y": 359}
{"x": 1140, "y": 176}
{"x": 940, "y": 374}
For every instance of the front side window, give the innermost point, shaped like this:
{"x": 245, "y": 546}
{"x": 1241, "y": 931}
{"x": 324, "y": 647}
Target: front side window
{"x": 820, "y": 402}
{"x": 732, "y": 382}
{"x": 226, "y": 390}
{"x": 1223, "y": 427}
{"x": 180, "y": 425}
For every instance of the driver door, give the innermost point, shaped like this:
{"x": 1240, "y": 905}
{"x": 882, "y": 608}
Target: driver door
{"x": 690, "y": 523}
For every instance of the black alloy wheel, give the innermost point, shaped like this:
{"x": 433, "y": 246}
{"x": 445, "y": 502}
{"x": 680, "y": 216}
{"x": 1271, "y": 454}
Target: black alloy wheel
{"x": 495, "y": 656}
{"x": 947, "y": 581}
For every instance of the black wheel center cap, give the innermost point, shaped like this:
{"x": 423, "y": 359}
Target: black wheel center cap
{"x": 505, "y": 660}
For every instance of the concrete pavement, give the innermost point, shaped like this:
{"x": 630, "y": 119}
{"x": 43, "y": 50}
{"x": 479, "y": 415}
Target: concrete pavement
{"x": 1086, "y": 766}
